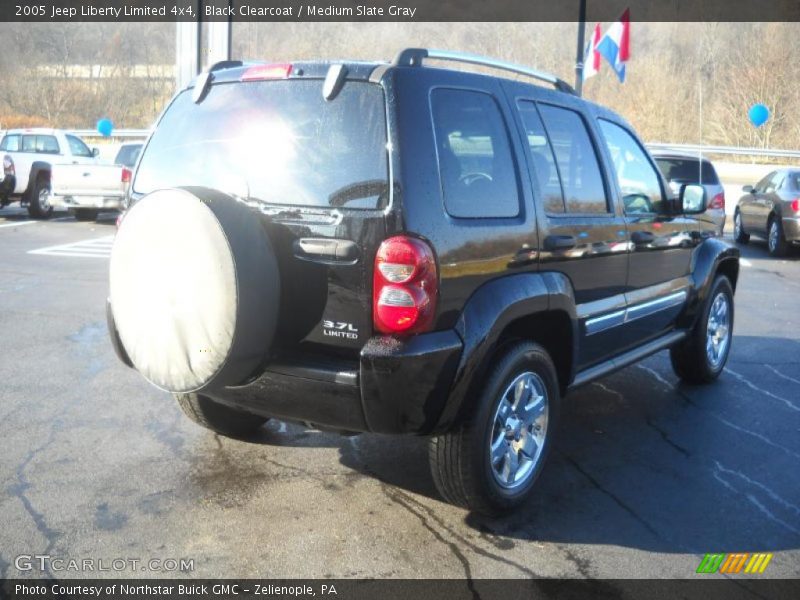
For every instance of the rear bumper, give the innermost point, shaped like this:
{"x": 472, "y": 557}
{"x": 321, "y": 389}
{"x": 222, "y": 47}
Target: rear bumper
{"x": 394, "y": 387}
{"x": 791, "y": 228}
{"x": 100, "y": 202}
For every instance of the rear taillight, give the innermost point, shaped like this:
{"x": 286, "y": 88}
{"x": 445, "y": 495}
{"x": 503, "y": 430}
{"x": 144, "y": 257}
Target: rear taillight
{"x": 405, "y": 286}
{"x": 718, "y": 201}
{"x": 796, "y": 205}
{"x": 259, "y": 72}
{"x": 126, "y": 175}
{"x": 8, "y": 165}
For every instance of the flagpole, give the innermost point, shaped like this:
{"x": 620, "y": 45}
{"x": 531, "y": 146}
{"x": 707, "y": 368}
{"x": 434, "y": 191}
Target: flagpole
{"x": 579, "y": 54}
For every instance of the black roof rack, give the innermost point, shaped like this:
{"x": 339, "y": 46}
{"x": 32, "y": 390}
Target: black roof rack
{"x": 411, "y": 57}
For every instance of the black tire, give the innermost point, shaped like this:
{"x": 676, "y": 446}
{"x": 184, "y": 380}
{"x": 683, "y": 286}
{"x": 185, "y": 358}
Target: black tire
{"x": 460, "y": 460}
{"x": 85, "y": 214}
{"x": 690, "y": 359}
{"x": 35, "y": 206}
{"x": 217, "y": 417}
{"x": 778, "y": 246}
{"x": 739, "y": 234}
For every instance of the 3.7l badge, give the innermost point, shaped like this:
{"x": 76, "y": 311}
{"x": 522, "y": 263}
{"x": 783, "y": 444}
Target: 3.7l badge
{"x": 339, "y": 329}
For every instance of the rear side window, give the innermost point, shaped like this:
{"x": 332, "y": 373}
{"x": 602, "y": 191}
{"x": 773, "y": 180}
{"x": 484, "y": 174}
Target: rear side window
{"x": 577, "y": 162}
{"x": 476, "y": 166}
{"x": 637, "y": 177}
{"x": 77, "y": 147}
{"x": 276, "y": 142}
{"x": 41, "y": 144}
{"x": 687, "y": 170}
{"x": 542, "y": 157}
{"x": 10, "y": 143}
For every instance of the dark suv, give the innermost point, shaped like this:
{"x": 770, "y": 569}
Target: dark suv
{"x": 396, "y": 248}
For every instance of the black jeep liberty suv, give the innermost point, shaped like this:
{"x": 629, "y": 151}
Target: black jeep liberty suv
{"x": 401, "y": 248}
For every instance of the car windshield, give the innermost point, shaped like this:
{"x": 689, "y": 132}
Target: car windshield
{"x": 276, "y": 142}
{"x": 688, "y": 170}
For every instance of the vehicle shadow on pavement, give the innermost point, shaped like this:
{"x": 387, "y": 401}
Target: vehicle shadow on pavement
{"x": 644, "y": 461}
{"x": 757, "y": 248}
{"x": 641, "y": 460}
{"x": 399, "y": 461}
{"x": 647, "y": 462}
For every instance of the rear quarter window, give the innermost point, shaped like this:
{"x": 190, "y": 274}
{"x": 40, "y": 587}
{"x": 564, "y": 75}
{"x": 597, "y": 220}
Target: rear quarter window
{"x": 10, "y": 143}
{"x": 476, "y": 165}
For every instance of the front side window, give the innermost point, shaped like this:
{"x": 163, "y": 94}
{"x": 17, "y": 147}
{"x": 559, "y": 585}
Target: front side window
{"x": 761, "y": 186}
{"x": 637, "y": 177}
{"x": 77, "y": 147}
{"x": 476, "y": 166}
{"x": 578, "y": 166}
{"x": 775, "y": 182}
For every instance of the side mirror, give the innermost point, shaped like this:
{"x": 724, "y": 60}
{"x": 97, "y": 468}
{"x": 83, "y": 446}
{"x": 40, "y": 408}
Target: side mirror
{"x": 693, "y": 198}
{"x": 748, "y": 189}
{"x": 95, "y": 151}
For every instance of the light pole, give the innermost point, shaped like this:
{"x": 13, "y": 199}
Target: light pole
{"x": 579, "y": 53}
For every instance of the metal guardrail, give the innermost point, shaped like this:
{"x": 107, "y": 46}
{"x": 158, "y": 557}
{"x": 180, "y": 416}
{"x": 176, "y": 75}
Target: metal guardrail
{"x": 733, "y": 150}
{"x": 116, "y": 133}
{"x": 686, "y": 148}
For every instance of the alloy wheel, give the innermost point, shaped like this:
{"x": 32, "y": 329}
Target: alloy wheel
{"x": 718, "y": 331}
{"x": 519, "y": 431}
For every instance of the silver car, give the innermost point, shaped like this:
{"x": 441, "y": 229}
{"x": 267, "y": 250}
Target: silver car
{"x": 686, "y": 168}
{"x": 771, "y": 210}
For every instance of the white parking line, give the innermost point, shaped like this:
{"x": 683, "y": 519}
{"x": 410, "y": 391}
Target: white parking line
{"x": 745, "y": 263}
{"x": 94, "y": 248}
{"x": 18, "y": 223}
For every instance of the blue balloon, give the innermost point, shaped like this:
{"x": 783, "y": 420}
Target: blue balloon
{"x": 758, "y": 114}
{"x": 105, "y": 127}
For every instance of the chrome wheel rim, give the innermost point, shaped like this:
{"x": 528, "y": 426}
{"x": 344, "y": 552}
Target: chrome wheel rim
{"x": 737, "y": 225}
{"x": 519, "y": 430}
{"x": 773, "y": 236}
{"x": 44, "y": 199}
{"x": 718, "y": 331}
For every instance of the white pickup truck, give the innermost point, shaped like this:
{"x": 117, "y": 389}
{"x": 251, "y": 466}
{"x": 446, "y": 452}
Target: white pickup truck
{"x": 28, "y": 159}
{"x": 87, "y": 190}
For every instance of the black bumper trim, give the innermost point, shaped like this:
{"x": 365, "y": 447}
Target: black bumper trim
{"x": 401, "y": 386}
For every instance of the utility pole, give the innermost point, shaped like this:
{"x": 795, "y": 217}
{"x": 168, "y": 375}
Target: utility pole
{"x": 579, "y": 53}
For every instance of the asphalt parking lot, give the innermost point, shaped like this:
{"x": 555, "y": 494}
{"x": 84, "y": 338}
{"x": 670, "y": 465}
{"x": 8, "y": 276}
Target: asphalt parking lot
{"x": 647, "y": 475}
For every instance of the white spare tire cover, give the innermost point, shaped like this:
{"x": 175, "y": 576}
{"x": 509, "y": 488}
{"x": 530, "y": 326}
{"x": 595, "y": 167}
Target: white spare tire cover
{"x": 194, "y": 289}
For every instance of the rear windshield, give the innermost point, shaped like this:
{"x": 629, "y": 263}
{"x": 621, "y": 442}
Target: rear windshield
{"x": 688, "y": 170}
{"x": 277, "y": 142}
{"x": 127, "y": 155}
